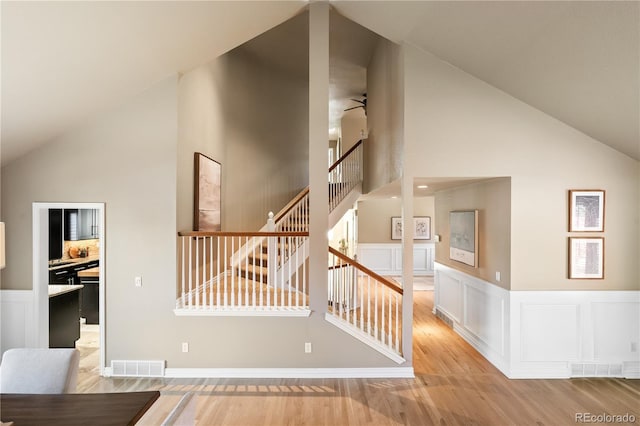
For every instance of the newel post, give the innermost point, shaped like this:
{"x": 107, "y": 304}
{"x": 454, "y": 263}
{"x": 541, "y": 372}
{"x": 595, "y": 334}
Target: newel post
{"x": 272, "y": 250}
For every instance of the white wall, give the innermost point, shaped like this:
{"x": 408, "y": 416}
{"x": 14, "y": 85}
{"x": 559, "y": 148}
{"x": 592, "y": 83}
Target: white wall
{"x": 457, "y": 125}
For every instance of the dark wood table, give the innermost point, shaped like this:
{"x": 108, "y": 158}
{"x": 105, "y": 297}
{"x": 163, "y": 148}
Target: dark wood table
{"x": 76, "y": 408}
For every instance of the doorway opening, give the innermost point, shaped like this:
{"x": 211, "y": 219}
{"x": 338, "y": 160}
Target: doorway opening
{"x": 69, "y": 279}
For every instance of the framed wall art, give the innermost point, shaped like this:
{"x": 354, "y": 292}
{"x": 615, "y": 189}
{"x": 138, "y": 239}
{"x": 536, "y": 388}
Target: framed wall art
{"x": 422, "y": 228}
{"x": 586, "y": 258}
{"x": 396, "y": 228}
{"x": 586, "y": 210}
{"x": 206, "y": 194}
{"x": 463, "y": 237}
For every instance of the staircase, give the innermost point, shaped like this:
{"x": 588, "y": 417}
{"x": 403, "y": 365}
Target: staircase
{"x": 266, "y": 273}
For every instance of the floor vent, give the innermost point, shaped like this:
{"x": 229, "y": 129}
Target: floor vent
{"x": 591, "y": 369}
{"x": 444, "y": 317}
{"x": 137, "y": 368}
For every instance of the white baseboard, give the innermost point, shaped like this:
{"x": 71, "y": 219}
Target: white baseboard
{"x": 293, "y": 373}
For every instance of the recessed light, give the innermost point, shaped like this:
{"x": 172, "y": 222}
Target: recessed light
{"x": 423, "y": 186}
{"x": 394, "y": 196}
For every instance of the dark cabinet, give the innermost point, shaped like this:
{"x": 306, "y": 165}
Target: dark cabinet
{"x": 64, "y": 319}
{"x": 69, "y": 273}
{"x": 90, "y": 304}
{"x": 55, "y": 234}
{"x": 80, "y": 224}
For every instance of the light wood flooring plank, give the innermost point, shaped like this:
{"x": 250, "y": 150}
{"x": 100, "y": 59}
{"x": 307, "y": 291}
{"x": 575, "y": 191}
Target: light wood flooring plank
{"x": 454, "y": 385}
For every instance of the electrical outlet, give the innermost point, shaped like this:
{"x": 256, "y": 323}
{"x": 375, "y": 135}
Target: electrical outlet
{"x": 138, "y": 281}
{"x": 497, "y": 276}
{"x": 185, "y": 347}
{"x": 634, "y": 346}
{"x": 307, "y": 348}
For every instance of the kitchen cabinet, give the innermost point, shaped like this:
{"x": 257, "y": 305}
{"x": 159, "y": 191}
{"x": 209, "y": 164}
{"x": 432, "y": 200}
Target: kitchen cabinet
{"x": 55, "y": 234}
{"x": 80, "y": 224}
{"x": 64, "y": 316}
{"x": 90, "y": 302}
{"x": 68, "y": 274}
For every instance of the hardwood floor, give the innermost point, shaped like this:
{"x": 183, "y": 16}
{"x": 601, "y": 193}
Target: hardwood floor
{"x": 454, "y": 385}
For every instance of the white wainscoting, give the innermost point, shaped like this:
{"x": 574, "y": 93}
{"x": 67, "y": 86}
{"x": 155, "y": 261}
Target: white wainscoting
{"x": 478, "y": 310}
{"x": 16, "y": 319}
{"x": 386, "y": 259}
{"x": 559, "y": 334}
{"x": 543, "y": 334}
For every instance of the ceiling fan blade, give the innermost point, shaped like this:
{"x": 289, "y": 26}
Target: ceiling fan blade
{"x": 359, "y": 106}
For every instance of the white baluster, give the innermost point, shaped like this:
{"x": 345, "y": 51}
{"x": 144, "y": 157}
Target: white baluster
{"x": 190, "y": 272}
{"x": 226, "y": 297}
{"x": 361, "y": 304}
{"x": 210, "y": 272}
{"x": 375, "y": 312}
{"x": 390, "y": 341}
{"x": 182, "y": 275}
{"x": 397, "y": 323}
{"x": 382, "y": 323}
{"x": 218, "y": 272}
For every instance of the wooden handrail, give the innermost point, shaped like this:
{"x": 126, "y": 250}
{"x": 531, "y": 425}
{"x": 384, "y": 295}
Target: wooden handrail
{"x": 366, "y": 270}
{"x": 240, "y": 234}
{"x": 286, "y": 209}
{"x": 345, "y": 155}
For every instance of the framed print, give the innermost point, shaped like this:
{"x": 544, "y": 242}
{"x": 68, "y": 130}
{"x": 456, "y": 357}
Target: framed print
{"x": 396, "y": 228}
{"x": 586, "y": 258}
{"x": 463, "y": 237}
{"x": 422, "y": 228}
{"x": 206, "y": 194}
{"x": 586, "y": 210}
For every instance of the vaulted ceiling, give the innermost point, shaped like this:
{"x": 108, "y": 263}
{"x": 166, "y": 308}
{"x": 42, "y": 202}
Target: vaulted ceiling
{"x": 64, "y": 62}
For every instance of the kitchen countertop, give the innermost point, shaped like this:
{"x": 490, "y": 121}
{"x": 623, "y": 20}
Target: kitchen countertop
{"x": 71, "y": 262}
{"x": 90, "y": 273}
{"x": 55, "y": 290}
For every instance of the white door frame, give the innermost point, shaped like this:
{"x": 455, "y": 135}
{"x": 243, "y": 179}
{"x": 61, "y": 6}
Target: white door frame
{"x": 41, "y": 271}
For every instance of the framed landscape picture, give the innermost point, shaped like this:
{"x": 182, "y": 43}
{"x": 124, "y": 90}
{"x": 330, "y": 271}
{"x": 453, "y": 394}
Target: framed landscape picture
{"x": 206, "y": 194}
{"x": 586, "y": 210}
{"x": 463, "y": 237}
{"x": 586, "y": 258}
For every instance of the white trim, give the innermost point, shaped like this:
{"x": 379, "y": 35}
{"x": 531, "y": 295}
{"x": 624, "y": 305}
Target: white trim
{"x": 293, "y": 373}
{"x": 241, "y": 312}
{"x": 364, "y": 338}
{"x": 386, "y": 258}
{"x": 543, "y": 334}
{"x": 478, "y": 310}
{"x": 41, "y": 276}
{"x": 16, "y": 314}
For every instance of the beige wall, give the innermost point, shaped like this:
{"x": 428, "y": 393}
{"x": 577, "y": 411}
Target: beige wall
{"x": 374, "y": 217}
{"x": 252, "y": 117}
{"x": 383, "y": 148}
{"x": 352, "y": 126}
{"x": 492, "y": 199}
{"x": 132, "y": 154}
{"x": 457, "y": 125}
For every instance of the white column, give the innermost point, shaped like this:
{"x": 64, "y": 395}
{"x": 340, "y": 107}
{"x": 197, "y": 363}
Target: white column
{"x": 407, "y": 268}
{"x": 318, "y": 146}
